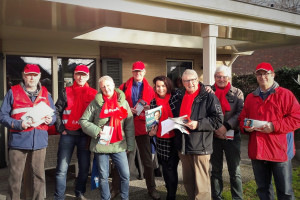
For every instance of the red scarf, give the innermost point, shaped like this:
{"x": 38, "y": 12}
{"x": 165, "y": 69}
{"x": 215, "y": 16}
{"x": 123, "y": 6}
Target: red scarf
{"x": 146, "y": 96}
{"x": 82, "y": 98}
{"x": 187, "y": 102}
{"x": 116, "y": 113}
{"x": 221, "y": 94}
{"x": 165, "y": 113}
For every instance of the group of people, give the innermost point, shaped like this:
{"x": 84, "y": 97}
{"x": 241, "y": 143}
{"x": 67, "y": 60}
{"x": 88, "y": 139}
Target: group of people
{"x": 84, "y": 116}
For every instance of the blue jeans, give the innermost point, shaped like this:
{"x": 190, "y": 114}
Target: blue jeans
{"x": 282, "y": 172}
{"x": 64, "y": 155}
{"x": 232, "y": 150}
{"x": 121, "y": 163}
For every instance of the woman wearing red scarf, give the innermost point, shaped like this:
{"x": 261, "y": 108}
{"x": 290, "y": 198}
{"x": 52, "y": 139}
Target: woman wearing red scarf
{"x": 232, "y": 101}
{"x": 166, "y": 151}
{"x": 206, "y": 115}
{"x": 110, "y": 111}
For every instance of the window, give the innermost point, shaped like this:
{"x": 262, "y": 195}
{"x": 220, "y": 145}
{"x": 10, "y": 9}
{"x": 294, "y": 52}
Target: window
{"x": 175, "y": 69}
{"x": 66, "y": 67}
{"x": 16, "y": 63}
{"x": 112, "y": 68}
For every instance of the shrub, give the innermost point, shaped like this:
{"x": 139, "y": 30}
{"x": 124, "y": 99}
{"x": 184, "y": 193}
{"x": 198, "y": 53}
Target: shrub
{"x": 286, "y": 77}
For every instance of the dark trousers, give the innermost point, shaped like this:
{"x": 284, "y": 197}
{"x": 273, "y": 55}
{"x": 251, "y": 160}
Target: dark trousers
{"x": 282, "y": 173}
{"x": 232, "y": 150}
{"x": 170, "y": 175}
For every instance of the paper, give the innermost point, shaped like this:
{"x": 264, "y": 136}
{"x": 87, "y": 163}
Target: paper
{"x": 257, "y": 124}
{"x": 230, "y": 134}
{"x": 152, "y": 117}
{"x": 106, "y": 134}
{"x": 140, "y": 106}
{"x": 181, "y": 120}
{"x": 36, "y": 115}
{"x": 174, "y": 123}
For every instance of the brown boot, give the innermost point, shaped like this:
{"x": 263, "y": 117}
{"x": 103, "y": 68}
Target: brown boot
{"x": 154, "y": 194}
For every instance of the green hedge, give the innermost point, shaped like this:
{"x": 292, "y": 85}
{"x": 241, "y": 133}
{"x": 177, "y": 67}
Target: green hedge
{"x": 284, "y": 76}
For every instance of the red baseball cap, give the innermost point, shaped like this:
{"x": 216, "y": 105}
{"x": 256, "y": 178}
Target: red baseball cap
{"x": 31, "y": 69}
{"x": 138, "y": 66}
{"x": 83, "y": 69}
{"x": 264, "y": 66}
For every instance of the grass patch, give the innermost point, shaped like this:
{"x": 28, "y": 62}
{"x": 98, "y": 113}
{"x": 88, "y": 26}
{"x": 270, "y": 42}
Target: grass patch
{"x": 249, "y": 188}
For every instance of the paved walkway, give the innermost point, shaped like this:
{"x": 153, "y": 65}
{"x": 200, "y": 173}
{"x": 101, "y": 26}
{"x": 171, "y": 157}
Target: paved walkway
{"x": 137, "y": 187}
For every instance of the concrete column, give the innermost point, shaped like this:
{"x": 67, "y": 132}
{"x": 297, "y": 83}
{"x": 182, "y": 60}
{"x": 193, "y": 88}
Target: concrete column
{"x": 54, "y": 78}
{"x": 209, "y": 33}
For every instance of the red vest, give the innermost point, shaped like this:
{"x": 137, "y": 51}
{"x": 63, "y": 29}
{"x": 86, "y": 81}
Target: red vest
{"x": 23, "y": 104}
{"x": 89, "y": 96}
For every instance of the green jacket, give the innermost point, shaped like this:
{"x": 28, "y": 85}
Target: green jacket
{"x": 91, "y": 124}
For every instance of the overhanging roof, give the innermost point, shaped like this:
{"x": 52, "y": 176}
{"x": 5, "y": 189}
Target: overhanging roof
{"x": 162, "y": 23}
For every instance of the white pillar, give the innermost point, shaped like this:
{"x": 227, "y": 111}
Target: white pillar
{"x": 209, "y": 34}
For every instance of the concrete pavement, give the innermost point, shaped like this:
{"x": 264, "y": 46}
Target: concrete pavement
{"x": 138, "y": 189}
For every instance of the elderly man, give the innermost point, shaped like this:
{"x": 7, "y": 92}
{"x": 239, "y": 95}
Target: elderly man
{"x": 232, "y": 102}
{"x": 271, "y": 147}
{"x": 206, "y": 115}
{"x": 135, "y": 89}
{"x": 26, "y": 138}
{"x": 70, "y": 105}
{"x": 109, "y": 118}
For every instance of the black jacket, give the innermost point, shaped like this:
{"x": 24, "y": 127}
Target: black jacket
{"x": 206, "y": 109}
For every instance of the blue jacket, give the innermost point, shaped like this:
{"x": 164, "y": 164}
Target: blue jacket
{"x": 31, "y": 140}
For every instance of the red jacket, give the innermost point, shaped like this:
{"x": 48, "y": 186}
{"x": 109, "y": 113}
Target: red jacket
{"x": 23, "y": 104}
{"x": 283, "y": 110}
{"x": 147, "y": 95}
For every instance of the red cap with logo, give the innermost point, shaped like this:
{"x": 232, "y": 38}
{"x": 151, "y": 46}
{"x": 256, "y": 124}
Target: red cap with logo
{"x": 82, "y": 68}
{"x": 138, "y": 66}
{"x": 31, "y": 69}
{"x": 264, "y": 66}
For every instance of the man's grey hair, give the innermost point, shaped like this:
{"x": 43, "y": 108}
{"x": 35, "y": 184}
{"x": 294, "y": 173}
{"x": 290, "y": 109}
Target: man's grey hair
{"x": 106, "y": 78}
{"x": 224, "y": 69}
{"x": 190, "y": 72}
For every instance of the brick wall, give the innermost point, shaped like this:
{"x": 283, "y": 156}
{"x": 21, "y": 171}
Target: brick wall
{"x": 278, "y": 57}
{"x": 155, "y": 60}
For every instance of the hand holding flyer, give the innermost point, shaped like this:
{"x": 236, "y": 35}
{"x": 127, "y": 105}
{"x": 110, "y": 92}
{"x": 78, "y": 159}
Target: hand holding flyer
{"x": 36, "y": 115}
{"x": 105, "y": 135}
{"x": 140, "y": 106}
{"x": 152, "y": 117}
{"x": 256, "y": 124}
{"x": 175, "y": 123}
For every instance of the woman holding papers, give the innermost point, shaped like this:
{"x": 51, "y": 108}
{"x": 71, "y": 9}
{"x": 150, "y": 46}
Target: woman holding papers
{"x": 109, "y": 121}
{"x": 166, "y": 151}
{"x": 227, "y": 138}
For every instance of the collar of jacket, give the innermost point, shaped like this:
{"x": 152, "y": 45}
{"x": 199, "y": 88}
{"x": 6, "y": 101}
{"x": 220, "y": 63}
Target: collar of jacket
{"x": 272, "y": 89}
{"x": 121, "y": 97}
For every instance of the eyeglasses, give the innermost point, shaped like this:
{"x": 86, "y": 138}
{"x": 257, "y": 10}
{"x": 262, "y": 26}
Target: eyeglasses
{"x": 191, "y": 80}
{"x": 262, "y": 75}
{"x": 221, "y": 77}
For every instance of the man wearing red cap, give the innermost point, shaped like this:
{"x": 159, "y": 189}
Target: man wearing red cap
{"x": 271, "y": 147}
{"x": 135, "y": 89}
{"x": 70, "y": 106}
{"x": 27, "y": 139}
